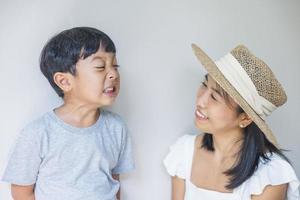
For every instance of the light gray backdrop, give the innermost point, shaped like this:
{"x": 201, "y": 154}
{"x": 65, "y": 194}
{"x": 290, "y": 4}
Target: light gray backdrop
{"x": 160, "y": 74}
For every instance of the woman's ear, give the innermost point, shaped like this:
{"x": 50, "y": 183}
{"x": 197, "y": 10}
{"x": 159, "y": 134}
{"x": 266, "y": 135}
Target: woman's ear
{"x": 63, "y": 81}
{"x": 244, "y": 120}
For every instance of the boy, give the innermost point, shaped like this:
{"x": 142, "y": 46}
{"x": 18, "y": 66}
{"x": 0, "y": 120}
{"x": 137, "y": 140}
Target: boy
{"x": 78, "y": 150}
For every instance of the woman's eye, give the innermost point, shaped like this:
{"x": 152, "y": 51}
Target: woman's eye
{"x": 213, "y": 97}
{"x": 204, "y": 84}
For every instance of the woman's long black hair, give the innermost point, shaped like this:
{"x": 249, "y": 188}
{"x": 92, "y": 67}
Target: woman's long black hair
{"x": 255, "y": 147}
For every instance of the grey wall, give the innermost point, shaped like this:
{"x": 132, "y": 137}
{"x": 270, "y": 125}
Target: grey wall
{"x": 159, "y": 72}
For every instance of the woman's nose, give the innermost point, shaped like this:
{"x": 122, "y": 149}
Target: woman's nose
{"x": 202, "y": 98}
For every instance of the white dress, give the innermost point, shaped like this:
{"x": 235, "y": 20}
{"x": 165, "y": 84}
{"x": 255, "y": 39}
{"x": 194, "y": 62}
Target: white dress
{"x": 274, "y": 172}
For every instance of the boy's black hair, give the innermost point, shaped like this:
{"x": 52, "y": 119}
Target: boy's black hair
{"x": 61, "y": 52}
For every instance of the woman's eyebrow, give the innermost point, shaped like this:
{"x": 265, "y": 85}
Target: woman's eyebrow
{"x": 217, "y": 91}
{"x": 214, "y": 89}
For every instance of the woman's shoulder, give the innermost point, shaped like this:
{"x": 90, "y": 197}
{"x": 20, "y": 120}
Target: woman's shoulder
{"x": 272, "y": 171}
{"x": 176, "y": 161}
{"x": 185, "y": 139}
{"x": 274, "y": 165}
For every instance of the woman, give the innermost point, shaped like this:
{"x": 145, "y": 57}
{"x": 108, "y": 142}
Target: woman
{"x": 237, "y": 157}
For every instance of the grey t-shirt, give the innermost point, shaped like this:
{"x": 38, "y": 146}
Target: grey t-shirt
{"x": 66, "y": 162}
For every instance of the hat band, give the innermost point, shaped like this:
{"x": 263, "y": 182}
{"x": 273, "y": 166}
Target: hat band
{"x": 239, "y": 79}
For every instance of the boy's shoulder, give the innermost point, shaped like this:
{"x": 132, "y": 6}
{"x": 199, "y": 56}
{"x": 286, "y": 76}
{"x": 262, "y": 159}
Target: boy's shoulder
{"x": 37, "y": 125}
{"x": 112, "y": 117}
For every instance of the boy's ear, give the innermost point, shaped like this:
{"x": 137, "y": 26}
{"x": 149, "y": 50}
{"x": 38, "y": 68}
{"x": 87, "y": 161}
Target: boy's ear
{"x": 244, "y": 120}
{"x": 63, "y": 81}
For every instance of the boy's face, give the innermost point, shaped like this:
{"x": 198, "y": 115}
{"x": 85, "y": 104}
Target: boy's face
{"x": 97, "y": 80}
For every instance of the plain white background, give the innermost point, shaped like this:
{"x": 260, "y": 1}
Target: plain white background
{"x": 159, "y": 72}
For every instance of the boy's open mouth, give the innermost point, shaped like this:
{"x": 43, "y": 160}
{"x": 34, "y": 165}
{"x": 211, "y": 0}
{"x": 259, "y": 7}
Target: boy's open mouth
{"x": 111, "y": 91}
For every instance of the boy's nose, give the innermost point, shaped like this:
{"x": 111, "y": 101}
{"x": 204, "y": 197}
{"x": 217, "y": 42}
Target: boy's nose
{"x": 113, "y": 73}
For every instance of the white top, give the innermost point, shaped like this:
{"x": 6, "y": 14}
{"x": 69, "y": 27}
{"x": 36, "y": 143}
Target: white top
{"x": 274, "y": 172}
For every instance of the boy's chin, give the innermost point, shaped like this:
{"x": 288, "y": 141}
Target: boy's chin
{"x": 107, "y": 102}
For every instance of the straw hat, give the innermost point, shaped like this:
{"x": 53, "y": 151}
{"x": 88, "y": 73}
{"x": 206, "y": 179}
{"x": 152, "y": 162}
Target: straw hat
{"x": 249, "y": 81}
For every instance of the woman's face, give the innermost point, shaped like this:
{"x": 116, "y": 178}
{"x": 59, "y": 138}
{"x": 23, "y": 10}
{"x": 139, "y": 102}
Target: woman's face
{"x": 214, "y": 113}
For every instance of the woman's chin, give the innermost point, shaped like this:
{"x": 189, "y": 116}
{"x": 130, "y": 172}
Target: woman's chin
{"x": 202, "y": 127}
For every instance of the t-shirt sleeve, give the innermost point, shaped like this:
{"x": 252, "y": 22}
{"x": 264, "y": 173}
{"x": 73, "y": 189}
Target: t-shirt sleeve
{"x": 275, "y": 172}
{"x": 24, "y": 162}
{"x": 125, "y": 161}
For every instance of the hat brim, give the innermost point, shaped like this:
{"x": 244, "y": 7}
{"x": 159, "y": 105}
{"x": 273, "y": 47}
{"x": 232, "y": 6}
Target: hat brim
{"x": 217, "y": 75}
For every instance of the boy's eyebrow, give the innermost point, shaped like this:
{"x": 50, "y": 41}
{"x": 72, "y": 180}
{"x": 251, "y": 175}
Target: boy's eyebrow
{"x": 100, "y": 57}
{"x": 97, "y": 58}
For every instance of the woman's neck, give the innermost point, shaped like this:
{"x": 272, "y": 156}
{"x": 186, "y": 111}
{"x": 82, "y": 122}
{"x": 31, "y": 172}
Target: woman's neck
{"x": 227, "y": 144}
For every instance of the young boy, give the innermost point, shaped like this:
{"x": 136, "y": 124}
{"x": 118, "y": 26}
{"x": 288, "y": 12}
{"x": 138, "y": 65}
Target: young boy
{"x": 78, "y": 150}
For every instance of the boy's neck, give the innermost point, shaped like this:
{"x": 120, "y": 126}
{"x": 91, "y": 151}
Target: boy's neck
{"x": 78, "y": 115}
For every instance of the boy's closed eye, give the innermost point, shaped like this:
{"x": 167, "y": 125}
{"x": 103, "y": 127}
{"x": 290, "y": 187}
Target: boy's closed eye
{"x": 103, "y": 67}
{"x": 100, "y": 68}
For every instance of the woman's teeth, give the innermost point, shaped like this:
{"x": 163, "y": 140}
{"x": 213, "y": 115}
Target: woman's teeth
{"x": 200, "y": 115}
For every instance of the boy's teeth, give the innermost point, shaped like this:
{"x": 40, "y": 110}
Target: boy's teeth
{"x": 109, "y": 89}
